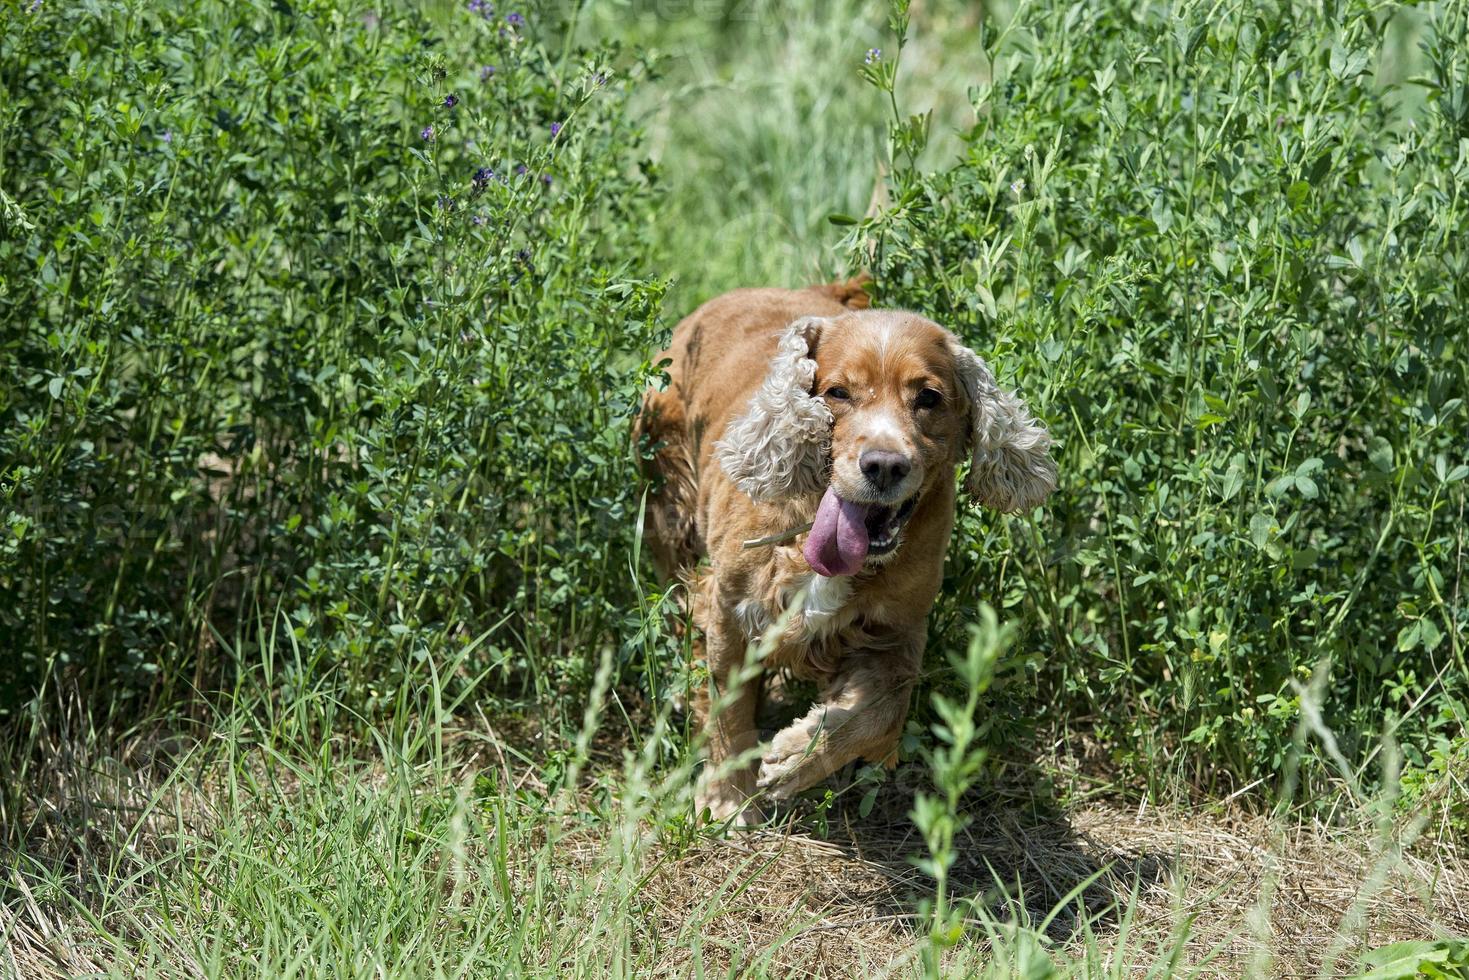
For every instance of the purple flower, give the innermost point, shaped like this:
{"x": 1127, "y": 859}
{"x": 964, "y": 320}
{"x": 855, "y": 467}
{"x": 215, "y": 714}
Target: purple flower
{"x": 479, "y": 220}
{"x": 482, "y": 7}
{"x": 555, "y": 128}
{"x": 167, "y": 136}
{"x": 520, "y": 169}
{"x": 445, "y": 203}
{"x": 35, "y": 6}
{"x": 482, "y": 178}
{"x": 522, "y": 259}
{"x": 599, "y": 79}
{"x": 427, "y": 133}
{"x": 514, "y": 20}
{"x": 873, "y": 55}
{"x": 546, "y": 179}
{"x": 451, "y": 100}
{"x": 486, "y": 73}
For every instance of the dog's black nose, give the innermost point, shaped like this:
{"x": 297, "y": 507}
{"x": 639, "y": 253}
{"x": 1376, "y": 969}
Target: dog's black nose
{"x": 883, "y": 468}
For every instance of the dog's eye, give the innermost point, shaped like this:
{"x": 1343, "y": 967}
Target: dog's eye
{"x": 927, "y": 398}
{"x": 838, "y": 392}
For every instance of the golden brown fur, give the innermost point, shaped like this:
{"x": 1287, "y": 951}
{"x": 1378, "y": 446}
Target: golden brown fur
{"x": 744, "y": 441}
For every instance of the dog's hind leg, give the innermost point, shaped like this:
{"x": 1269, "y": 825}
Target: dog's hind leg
{"x": 725, "y": 710}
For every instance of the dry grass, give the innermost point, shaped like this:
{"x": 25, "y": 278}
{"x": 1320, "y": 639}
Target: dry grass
{"x": 1226, "y": 891}
{"x": 844, "y": 906}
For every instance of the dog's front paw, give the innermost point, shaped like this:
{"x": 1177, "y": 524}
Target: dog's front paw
{"x": 787, "y": 767}
{"x": 726, "y": 804}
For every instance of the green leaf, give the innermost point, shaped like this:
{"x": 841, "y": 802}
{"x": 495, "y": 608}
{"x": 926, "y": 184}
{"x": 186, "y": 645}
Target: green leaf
{"x": 1260, "y": 528}
{"x": 1162, "y": 214}
{"x": 1380, "y": 454}
{"x": 1234, "y": 480}
{"x": 1422, "y": 957}
{"x": 54, "y": 386}
{"x": 988, "y": 299}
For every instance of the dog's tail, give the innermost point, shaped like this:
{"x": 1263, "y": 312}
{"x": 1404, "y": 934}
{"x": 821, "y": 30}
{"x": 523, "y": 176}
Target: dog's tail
{"x": 661, "y": 443}
{"x": 852, "y": 294}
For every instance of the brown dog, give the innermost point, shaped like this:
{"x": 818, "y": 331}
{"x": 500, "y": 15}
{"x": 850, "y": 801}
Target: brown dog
{"x": 789, "y": 408}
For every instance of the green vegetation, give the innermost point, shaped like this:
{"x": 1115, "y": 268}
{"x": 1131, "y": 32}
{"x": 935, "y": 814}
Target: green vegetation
{"x": 1227, "y": 257}
{"x": 327, "y": 644}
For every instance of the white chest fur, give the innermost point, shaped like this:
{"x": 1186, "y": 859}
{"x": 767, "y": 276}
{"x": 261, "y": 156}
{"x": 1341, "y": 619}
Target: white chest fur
{"x": 819, "y": 599}
{"x": 824, "y": 598}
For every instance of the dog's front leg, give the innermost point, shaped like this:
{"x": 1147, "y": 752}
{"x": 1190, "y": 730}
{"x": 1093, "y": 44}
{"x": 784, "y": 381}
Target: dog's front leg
{"x": 860, "y": 715}
{"x": 726, "y": 711}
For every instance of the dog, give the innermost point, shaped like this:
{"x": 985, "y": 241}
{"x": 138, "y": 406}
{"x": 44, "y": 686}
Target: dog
{"x": 803, "y": 410}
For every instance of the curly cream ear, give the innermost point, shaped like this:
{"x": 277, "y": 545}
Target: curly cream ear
{"x": 778, "y": 447}
{"x": 1012, "y": 470}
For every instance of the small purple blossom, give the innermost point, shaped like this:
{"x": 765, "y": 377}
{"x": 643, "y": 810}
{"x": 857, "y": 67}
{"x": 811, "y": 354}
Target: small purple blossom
{"x": 599, "y": 79}
{"x": 521, "y": 169}
{"x": 486, "y": 73}
{"x": 479, "y": 220}
{"x": 482, "y": 7}
{"x": 523, "y": 263}
{"x": 546, "y": 179}
{"x": 482, "y": 178}
{"x": 555, "y": 129}
{"x": 451, "y": 100}
{"x": 35, "y": 5}
{"x": 874, "y": 55}
{"x": 445, "y": 203}
{"x": 167, "y": 136}
{"x": 514, "y": 19}
{"x": 427, "y": 133}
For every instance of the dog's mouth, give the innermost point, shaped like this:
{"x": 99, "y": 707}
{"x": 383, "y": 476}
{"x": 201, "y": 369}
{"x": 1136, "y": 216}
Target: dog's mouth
{"x": 884, "y": 524}
{"x": 845, "y": 533}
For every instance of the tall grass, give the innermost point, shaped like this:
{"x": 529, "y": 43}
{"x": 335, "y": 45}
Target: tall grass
{"x": 1222, "y": 244}
{"x": 342, "y": 320}
{"x": 425, "y": 843}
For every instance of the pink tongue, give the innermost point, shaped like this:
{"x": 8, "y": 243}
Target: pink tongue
{"x": 838, "y": 540}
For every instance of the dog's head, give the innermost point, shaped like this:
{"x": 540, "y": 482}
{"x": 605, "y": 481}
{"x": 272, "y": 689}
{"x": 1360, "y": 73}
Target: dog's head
{"x": 871, "y": 410}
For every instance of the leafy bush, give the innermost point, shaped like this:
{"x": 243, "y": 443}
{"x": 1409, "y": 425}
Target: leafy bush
{"x": 1224, "y": 250}
{"x": 312, "y": 319}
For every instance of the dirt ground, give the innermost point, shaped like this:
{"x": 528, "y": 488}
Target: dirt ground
{"x": 1235, "y": 893}
{"x": 1255, "y": 899}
